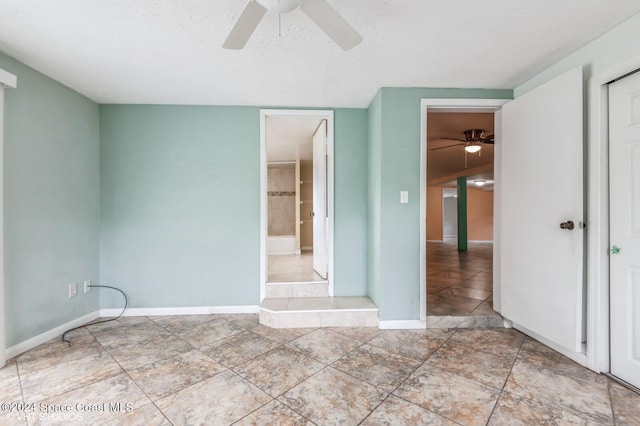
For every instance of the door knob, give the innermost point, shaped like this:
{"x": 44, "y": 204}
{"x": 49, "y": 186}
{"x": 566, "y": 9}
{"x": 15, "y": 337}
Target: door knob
{"x": 614, "y": 250}
{"x": 569, "y": 225}
{"x": 312, "y": 214}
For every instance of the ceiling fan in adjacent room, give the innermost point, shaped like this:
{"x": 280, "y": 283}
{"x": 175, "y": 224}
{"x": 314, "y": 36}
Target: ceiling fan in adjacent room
{"x": 320, "y": 12}
{"x": 473, "y": 141}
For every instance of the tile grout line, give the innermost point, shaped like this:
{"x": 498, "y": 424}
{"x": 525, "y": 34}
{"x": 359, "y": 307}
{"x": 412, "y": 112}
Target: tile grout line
{"x": 515, "y": 359}
{"x": 416, "y": 369}
{"x": 132, "y": 380}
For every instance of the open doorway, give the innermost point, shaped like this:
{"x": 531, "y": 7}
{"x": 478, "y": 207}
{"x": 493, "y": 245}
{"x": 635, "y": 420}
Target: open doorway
{"x": 296, "y": 203}
{"x": 459, "y": 253}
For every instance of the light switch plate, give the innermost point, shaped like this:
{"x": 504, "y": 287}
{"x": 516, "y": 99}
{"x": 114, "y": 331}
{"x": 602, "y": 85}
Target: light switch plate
{"x": 404, "y": 197}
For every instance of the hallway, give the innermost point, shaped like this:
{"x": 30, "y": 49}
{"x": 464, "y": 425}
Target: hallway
{"x": 459, "y": 283}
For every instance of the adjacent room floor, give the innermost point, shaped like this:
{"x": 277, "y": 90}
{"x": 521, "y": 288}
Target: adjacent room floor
{"x": 223, "y": 369}
{"x": 459, "y": 283}
{"x": 292, "y": 268}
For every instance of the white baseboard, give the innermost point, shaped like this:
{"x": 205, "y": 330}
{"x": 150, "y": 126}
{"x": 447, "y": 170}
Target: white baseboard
{"x": 187, "y": 310}
{"x": 402, "y": 325}
{"x": 306, "y": 248}
{"x": 434, "y": 241}
{"x": 31, "y": 343}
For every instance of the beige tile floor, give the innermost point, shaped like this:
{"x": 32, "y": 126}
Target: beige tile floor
{"x": 459, "y": 283}
{"x": 228, "y": 369}
{"x": 292, "y": 268}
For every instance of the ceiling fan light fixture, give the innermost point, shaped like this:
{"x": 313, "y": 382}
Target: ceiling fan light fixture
{"x": 280, "y": 6}
{"x": 472, "y": 149}
{"x": 479, "y": 182}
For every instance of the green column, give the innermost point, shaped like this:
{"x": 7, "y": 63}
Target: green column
{"x": 462, "y": 214}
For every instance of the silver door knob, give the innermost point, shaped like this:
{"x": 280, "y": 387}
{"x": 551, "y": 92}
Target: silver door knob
{"x": 569, "y": 225}
{"x": 312, "y": 214}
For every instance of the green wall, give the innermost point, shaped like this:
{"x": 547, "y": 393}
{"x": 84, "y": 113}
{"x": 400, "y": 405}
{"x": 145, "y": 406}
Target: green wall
{"x": 51, "y": 202}
{"x": 350, "y": 202}
{"x": 394, "y": 144}
{"x": 180, "y": 189}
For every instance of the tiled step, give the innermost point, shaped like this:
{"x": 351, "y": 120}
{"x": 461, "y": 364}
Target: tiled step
{"x": 318, "y": 312}
{"x": 305, "y": 289}
{"x": 475, "y": 321}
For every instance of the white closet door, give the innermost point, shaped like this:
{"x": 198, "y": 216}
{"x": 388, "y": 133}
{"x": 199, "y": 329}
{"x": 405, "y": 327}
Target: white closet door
{"x": 624, "y": 216}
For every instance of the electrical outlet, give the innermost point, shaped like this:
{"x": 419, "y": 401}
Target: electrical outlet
{"x": 87, "y": 286}
{"x": 73, "y": 290}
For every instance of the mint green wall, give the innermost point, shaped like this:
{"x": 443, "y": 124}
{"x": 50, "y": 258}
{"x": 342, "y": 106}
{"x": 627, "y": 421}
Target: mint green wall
{"x": 350, "y": 202}
{"x": 181, "y": 204}
{"x": 613, "y": 47}
{"x": 51, "y": 202}
{"x": 394, "y": 143}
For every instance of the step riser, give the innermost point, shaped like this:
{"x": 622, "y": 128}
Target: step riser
{"x": 335, "y": 318}
{"x": 274, "y": 291}
{"x": 491, "y": 321}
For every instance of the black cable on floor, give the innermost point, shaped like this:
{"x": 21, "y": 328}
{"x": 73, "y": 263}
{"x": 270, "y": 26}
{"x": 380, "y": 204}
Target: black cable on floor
{"x": 126, "y": 303}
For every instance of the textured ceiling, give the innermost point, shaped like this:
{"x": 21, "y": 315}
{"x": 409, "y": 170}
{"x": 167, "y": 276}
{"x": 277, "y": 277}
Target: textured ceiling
{"x": 169, "y": 51}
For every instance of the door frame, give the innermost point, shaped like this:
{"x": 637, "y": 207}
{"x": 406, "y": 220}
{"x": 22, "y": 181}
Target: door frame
{"x": 598, "y": 344}
{"x": 457, "y": 105}
{"x": 321, "y": 114}
{"x": 7, "y": 81}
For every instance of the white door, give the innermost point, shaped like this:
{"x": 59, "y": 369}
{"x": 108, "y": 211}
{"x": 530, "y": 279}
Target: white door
{"x": 542, "y": 186}
{"x": 320, "y": 200}
{"x": 624, "y": 216}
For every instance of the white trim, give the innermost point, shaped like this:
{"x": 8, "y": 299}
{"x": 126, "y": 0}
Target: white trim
{"x": 450, "y": 105}
{"x": 8, "y": 80}
{"x": 31, "y": 343}
{"x": 186, "y": 310}
{"x": 329, "y": 116}
{"x": 402, "y": 325}
{"x": 598, "y": 214}
{"x": 435, "y": 241}
{"x": 3, "y": 341}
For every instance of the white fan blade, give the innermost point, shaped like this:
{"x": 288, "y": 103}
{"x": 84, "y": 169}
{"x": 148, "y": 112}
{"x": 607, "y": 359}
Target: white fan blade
{"x": 245, "y": 25}
{"x": 332, "y": 23}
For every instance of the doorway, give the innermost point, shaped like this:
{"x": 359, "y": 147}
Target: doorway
{"x": 296, "y": 201}
{"x": 459, "y": 275}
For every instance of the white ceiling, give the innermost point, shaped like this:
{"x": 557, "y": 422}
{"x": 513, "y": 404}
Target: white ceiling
{"x": 290, "y": 138}
{"x": 169, "y": 51}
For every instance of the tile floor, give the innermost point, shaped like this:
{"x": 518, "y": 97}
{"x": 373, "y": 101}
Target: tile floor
{"x": 459, "y": 283}
{"x": 228, "y": 369}
{"x": 292, "y": 268}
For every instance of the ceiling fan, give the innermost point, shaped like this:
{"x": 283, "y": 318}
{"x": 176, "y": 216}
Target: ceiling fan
{"x": 473, "y": 141}
{"x": 320, "y": 12}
